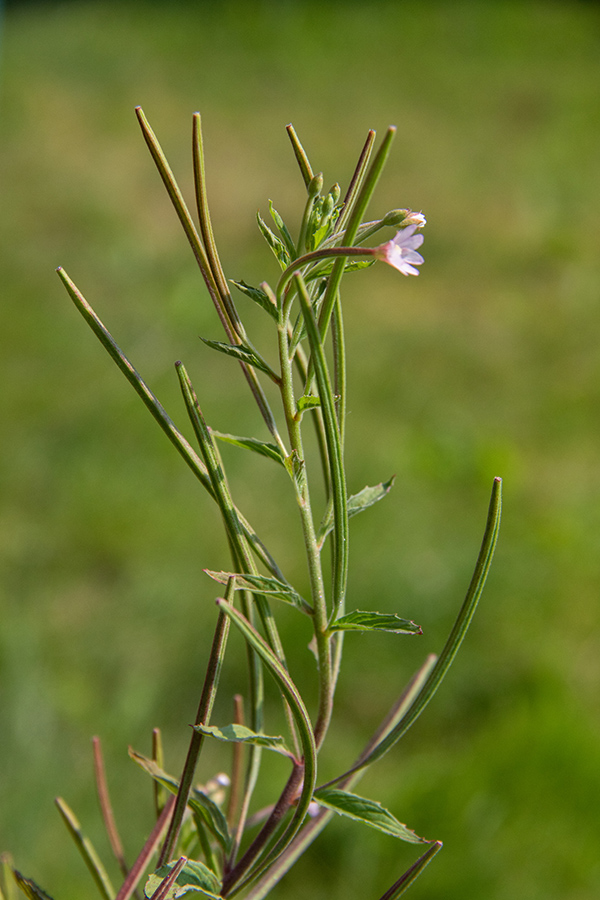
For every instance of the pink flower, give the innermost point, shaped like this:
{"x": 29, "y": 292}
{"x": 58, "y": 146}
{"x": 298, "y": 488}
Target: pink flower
{"x": 401, "y": 253}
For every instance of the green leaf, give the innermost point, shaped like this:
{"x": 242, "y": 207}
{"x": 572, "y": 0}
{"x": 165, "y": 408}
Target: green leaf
{"x": 198, "y": 801}
{"x": 264, "y": 448}
{"x": 259, "y": 296}
{"x": 29, "y": 887}
{"x": 319, "y": 235}
{"x": 374, "y": 621}
{"x": 244, "y": 354}
{"x": 367, "y": 811}
{"x": 195, "y": 878}
{"x": 241, "y": 735}
{"x": 356, "y": 503}
{"x": 277, "y": 246}
{"x": 212, "y": 815}
{"x": 281, "y": 226}
{"x": 265, "y": 585}
{"x": 306, "y": 402}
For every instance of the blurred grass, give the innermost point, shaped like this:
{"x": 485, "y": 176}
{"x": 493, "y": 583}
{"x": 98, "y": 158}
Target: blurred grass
{"x": 486, "y": 364}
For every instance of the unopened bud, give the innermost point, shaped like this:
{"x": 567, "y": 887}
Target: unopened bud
{"x": 315, "y": 185}
{"x": 335, "y": 193}
{"x": 327, "y": 208}
{"x": 395, "y": 217}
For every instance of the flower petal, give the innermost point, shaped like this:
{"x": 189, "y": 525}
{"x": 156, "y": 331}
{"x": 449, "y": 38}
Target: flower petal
{"x": 401, "y": 253}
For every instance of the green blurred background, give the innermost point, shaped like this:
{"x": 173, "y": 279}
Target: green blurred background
{"x": 487, "y": 364}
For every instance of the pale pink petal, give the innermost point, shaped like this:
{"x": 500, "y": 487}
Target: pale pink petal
{"x": 401, "y": 253}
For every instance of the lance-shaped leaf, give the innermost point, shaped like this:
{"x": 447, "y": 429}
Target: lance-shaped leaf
{"x": 263, "y": 448}
{"x": 239, "y": 734}
{"x": 405, "y": 881}
{"x": 283, "y": 231}
{"x": 193, "y": 878}
{"x": 87, "y": 850}
{"x": 244, "y": 354}
{"x": 367, "y": 811}
{"x": 307, "y": 402}
{"x": 356, "y": 503}
{"x": 265, "y": 585}
{"x": 375, "y": 621}
{"x": 277, "y": 246}
{"x": 198, "y": 801}
{"x": 31, "y": 890}
{"x": 213, "y": 817}
{"x": 258, "y": 296}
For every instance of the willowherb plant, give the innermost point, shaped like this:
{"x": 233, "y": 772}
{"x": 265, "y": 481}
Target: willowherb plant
{"x": 206, "y": 839}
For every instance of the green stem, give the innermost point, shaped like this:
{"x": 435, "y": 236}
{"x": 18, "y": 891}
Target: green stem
{"x": 339, "y": 358}
{"x": 315, "y": 573}
{"x": 301, "y": 361}
{"x": 334, "y": 448}
{"x": 207, "y": 699}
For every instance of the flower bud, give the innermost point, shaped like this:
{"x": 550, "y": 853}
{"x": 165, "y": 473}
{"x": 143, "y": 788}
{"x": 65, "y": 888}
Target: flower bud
{"x": 335, "y": 193}
{"x": 395, "y": 217}
{"x": 315, "y": 186}
{"x": 404, "y": 217}
{"x": 327, "y": 209}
